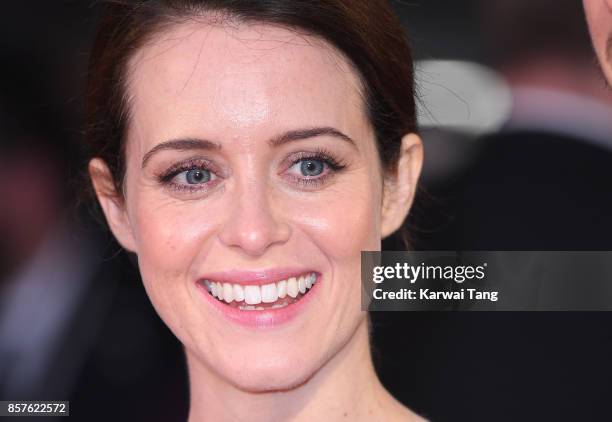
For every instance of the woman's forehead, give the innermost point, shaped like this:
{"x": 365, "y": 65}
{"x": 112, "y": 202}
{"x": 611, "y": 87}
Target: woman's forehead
{"x": 243, "y": 79}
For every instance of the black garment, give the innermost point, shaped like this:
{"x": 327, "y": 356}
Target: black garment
{"x": 537, "y": 191}
{"x": 134, "y": 368}
{"x": 527, "y": 191}
{"x": 115, "y": 359}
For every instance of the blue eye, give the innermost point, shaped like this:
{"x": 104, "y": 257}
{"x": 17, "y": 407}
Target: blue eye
{"x": 197, "y": 176}
{"x": 312, "y": 167}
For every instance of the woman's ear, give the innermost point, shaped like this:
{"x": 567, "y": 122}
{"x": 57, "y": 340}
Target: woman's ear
{"x": 112, "y": 203}
{"x": 399, "y": 188}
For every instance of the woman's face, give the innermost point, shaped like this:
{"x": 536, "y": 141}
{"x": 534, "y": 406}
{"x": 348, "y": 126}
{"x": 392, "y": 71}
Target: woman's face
{"x": 250, "y": 161}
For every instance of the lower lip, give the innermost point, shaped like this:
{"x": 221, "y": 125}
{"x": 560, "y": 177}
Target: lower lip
{"x": 262, "y": 319}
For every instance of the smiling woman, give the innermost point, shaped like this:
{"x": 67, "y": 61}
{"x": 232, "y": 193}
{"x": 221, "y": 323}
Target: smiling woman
{"x": 247, "y": 152}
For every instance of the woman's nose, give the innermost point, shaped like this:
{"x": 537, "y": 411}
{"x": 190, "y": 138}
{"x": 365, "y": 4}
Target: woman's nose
{"x": 252, "y": 225}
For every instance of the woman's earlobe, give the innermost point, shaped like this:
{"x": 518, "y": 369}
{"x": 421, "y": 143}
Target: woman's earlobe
{"x": 112, "y": 203}
{"x": 400, "y": 187}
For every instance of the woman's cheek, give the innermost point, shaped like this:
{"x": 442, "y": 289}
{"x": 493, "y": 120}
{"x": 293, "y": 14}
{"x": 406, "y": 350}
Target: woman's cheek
{"x": 169, "y": 237}
{"x": 345, "y": 225}
{"x": 170, "y": 230}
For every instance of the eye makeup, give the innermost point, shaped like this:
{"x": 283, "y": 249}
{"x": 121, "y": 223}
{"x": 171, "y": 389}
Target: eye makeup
{"x": 167, "y": 178}
{"x": 331, "y": 166}
{"x": 321, "y": 157}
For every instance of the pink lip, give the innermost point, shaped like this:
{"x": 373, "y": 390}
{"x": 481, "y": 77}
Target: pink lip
{"x": 258, "y": 319}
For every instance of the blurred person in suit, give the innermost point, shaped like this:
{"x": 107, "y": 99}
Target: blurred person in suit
{"x": 541, "y": 183}
{"x": 34, "y": 299}
{"x": 73, "y": 324}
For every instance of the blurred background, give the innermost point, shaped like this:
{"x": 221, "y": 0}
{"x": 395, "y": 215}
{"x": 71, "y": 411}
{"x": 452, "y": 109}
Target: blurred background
{"x": 516, "y": 122}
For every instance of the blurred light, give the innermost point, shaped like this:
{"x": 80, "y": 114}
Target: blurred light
{"x": 462, "y": 96}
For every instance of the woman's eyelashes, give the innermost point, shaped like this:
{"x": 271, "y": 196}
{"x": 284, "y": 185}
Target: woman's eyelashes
{"x": 305, "y": 169}
{"x": 190, "y": 176}
{"x": 311, "y": 170}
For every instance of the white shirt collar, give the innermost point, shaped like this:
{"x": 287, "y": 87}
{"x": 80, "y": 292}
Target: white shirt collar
{"x": 561, "y": 112}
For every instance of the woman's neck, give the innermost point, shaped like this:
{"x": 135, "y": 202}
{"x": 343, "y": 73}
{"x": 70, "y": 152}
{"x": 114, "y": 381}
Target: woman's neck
{"x": 345, "y": 388}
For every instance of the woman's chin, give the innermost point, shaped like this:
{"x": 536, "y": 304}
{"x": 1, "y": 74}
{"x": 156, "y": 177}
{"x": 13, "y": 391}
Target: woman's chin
{"x": 271, "y": 381}
{"x": 259, "y": 374}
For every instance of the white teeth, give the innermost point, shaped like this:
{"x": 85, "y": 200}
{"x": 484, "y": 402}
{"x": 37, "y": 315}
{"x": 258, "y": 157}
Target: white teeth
{"x": 302, "y": 285}
{"x": 269, "y": 293}
{"x": 228, "y": 292}
{"x": 252, "y": 295}
{"x": 313, "y": 278}
{"x": 292, "y": 287}
{"x": 238, "y": 293}
{"x": 282, "y": 288}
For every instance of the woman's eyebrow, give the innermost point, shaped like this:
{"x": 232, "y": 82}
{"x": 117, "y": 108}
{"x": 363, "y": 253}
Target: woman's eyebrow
{"x": 292, "y": 135}
{"x": 180, "y": 145}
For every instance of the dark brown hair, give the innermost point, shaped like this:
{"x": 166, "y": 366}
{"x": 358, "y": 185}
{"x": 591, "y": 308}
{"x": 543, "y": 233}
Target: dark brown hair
{"x": 367, "y": 32}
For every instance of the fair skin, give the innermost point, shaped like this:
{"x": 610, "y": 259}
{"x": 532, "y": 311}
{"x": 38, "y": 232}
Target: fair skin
{"x": 241, "y": 86}
{"x": 599, "y": 18}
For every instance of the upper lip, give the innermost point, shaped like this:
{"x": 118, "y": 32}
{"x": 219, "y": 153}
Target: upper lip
{"x": 256, "y": 277}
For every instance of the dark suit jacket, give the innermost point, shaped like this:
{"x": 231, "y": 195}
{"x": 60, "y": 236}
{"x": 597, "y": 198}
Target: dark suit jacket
{"x": 526, "y": 191}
